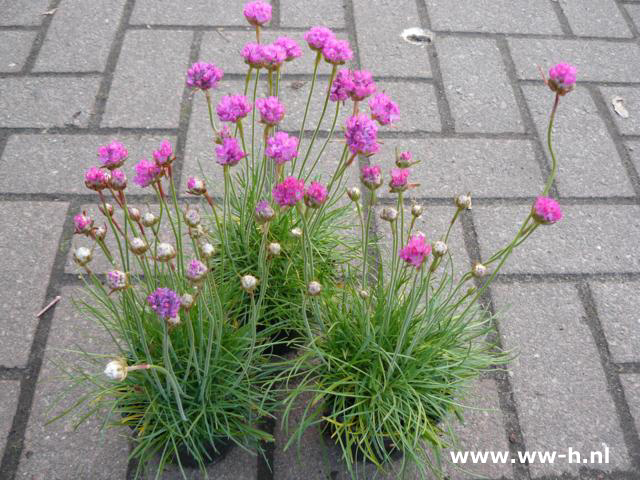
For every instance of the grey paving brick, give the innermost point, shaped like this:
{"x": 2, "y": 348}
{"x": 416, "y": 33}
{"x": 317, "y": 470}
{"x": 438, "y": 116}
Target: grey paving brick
{"x": 85, "y": 46}
{"x": 14, "y": 49}
{"x": 196, "y": 12}
{"x": 328, "y": 13}
{"x": 149, "y": 80}
{"x": 58, "y": 162}
{"x": 634, "y": 151}
{"x": 557, "y": 376}
{"x": 618, "y": 306}
{"x": 588, "y": 162}
{"x": 58, "y": 451}
{"x": 595, "y": 18}
{"x": 634, "y": 12}
{"x": 477, "y": 86}
{"x": 591, "y": 238}
{"x": 631, "y": 101}
{"x": 485, "y": 167}
{"x": 32, "y": 230}
{"x": 596, "y": 60}
{"x": 46, "y": 101}
{"x": 9, "y": 391}
{"x": 501, "y": 16}
{"x": 631, "y": 384}
{"x": 417, "y": 103}
{"x": 382, "y": 49}
{"x": 22, "y": 13}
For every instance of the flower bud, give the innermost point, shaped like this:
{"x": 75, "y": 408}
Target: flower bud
{"x": 106, "y": 209}
{"x": 479, "y": 270}
{"x": 207, "y": 250}
{"x": 389, "y": 214}
{"x": 416, "y": 210}
{"x": 138, "y": 246}
{"x": 134, "y": 214}
{"x": 187, "y": 301}
{"x": 463, "y": 201}
{"x": 439, "y": 248}
{"x": 274, "y": 249}
{"x": 314, "y": 288}
{"x": 353, "y": 193}
{"x": 117, "y": 280}
{"x": 165, "y": 252}
{"x": 249, "y": 283}
{"x": 99, "y": 233}
{"x": 82, "y": 255}
{"x": 264, "y": 212}
{"x": 116, "y": 369}
{"x": 363, "y": 294}
{"x": 196, "y": 186}
{"x": 404, "y": 160}
{"x": 192, "y": 217}
{"x": 296, "y": 232}
{"x": 149, "y": 219}
{"x": 82, "y": 223}
{"x": 118, "y": 180}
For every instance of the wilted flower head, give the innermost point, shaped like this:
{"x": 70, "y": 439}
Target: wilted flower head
{"x": 389, "y": 214}
{"x": 164, "y": 155}
{"x": 138, "y": 246}
{"x": 274, "y": 249}
{"x": 416, "y": 250}
{"x": 271, "y": 110}
{"x": 289, "y": 192}
{"x": 362, "y": 135}
{"x": 252, "y": 54}
{"x": 113, "y": 155}
{"x": 337, "y": 52}
{"x": 257, "y": 13}
{"x": 203, "y": 75}
{"x": 296, "y": 232}
{"x": 282, "y": 148}
{"x": 383, "y": 109}
{"x": 82, "y": 223}
{"x": 479, "y": 270}
{"x": 314, "y": 288}
{"x": 363, "y": 84}
{"x": 353, "y": 193}
{"x": 342, "y": 86}
{"x": 206, "y": 250}
{"x": 165, "y": 252}
{"x": 546, "y": 211}
{"x": 371, "y": 177}
{"x": 106, "y": 209}
{"x": 196, "y": 271}
{"x": 263, "y": 212}
{"x": 440, "y": 248}
{"x": 149, "y": 219}
{"x": 290, "y": 46}
{"x": 404, "y": 159}
{"x": 99, "y": 233}
{"x": 562, "y": 78}
{"x": 399, "y": 179}
{"x": 146, "y": 173}
{"x": 463, "y": 201}
{"x": 116, "y": 369}
{"x": 117, "y": 280}
{"x": 165, "y": 302}
{"x": 315, "y": 195}
{"x": 232, "y": 108}
{"x": 196, "y": 186}
{"x": 82, "y": 255}
{"x": 416, "y": 210}
{"x": 273, "y": 56}
{"x": 96, "y": 179}
{"x": 192, "y": 217}
{"x": 249, "y": 283}
{"x": 317, "y": 37}
{"x": 118, "y": 180}
{"x": 229, "y": 153}
{"x": 134, "y": 213}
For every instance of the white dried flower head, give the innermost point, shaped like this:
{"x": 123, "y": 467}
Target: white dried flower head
{"x": 479, "y": 270}
{"x": 463, "y": 201}
{"x": 106, "y": 209}
{"x": 138, "y": 246}
{"x": 296, "y": 232}
{"x": 173, "y": 321}
{"x": 165, "y": 252}
{"x": 149, "y": 219}
{"x": 274, "y": 249}
{"x": 134, "y": 214}
{"x": 207, "y": 250}
{"x": 99, "y": 233}
{"x": 249, "y": 283}
{"x": 439, "y": 248}
{"x": 314, "y": 288}
{"x": 354, "y": 193}
{"x": 197, "y": 232}
{"x": 363, "y": 294}
{"x": 116, "y": 369}
{"x": 389, "y": 214}
{"x": 192, "y": 217}
{"x": 186, "y": 301}
{"x": 82, "y": 255}
{"x": 416, "y": 210}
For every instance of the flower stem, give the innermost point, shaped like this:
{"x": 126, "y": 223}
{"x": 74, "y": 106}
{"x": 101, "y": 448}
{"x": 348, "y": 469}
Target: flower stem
{"x": 306, "y": 108}
{"x": 554, "y": 163}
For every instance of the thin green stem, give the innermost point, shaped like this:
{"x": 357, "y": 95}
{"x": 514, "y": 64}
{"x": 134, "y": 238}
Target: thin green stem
{"x": 306, "y": 108}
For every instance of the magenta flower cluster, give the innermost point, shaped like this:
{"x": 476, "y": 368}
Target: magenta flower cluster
{"x": 164, "y": 155}
{"x": 416, "y": 251}
{"x": 203, "y": 75}
{"x": 546, "y": 210}
{"x": 82, "y": 223}
{"x": 229, "y": 152}
{"x": 118, "y": 180}
{"x": 257, "y": 13}
{"x": 282, "y": 148}
{"x": 318, "y": 37}
{"x": 96, "y": 179}
{"x": 232, "y": 108}
{"x": 113, "y": 155}
{"x": 147, "y": 172}
{"x": 371, "y": 177}
{"x": 362, "y": 135}
{"x": 315, "y": 195}
{"x": 337, "y": 52}
{"x": 383, "y": 109}
{"x": 165, "y": 302}
{"x": 357, "y": 84}
{"x": 289, "y": 192}
{"x": 563, "y": 75}
{"x": 271, "y": 110}
{"x": 399, "y": 179}
{"x": 271, "y": 56}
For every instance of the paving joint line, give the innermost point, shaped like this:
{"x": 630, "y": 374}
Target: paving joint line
{"x": 220, "y": 28}
{"x": 36, "y": 46}
{"x": 563, "y": 20}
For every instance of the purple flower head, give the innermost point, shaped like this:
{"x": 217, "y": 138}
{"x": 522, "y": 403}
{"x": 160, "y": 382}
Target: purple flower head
{"x": 315, "y": 195}
{"x": 290, "y": 46}
{"x": 547, "y": 211}
{"x": 317, "y": 37}
{"x": 399, "y": 179}
{"x": 229, "y": 153}
{"x": 113, "y": 155}
{"x": 271, "y": 110}
{"x": 273, "y": 56}
{"x": 342, "y": 86}
{"x": 562, "y": 78}
{"x": 363, "y": 85}
{"x": 264, "y": 212}
{"x": 118, "y": 180}
{"x": 362, "y": 135}
{"x": 165, "y": 302}
{"x": 146, "y": 173}
{"x": 282, "y": 148}
{"x": 257, "y": 13}
{"x": 203, "y": 75}
{"x": 82, "y": 223}
{"x": 96, "y": 179}
{"x": 337, "y": 52}
{"x": 416, "y": 251}
{"x": 371, "y": 177}
{"x": 196, "y": 270}
{"x": 289, "y": 192}
{"x": 404, "y": 159}
{"x": 117, "y": 280}
{"x": 253, "y": 55}
{"x": 233, "y": 108}
{"x": 164, "y": 155}
{"x": 223, "y": 132}
{"x": 383, "y": 109}
{"x": 196, "y": 186}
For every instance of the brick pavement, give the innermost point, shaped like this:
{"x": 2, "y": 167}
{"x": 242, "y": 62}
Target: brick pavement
{"x": 74, "y": 74}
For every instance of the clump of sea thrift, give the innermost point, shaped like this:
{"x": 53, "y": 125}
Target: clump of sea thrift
{"x": 416, "y": 251}
{"x": 232, "y": 108}
{"x": 546, "y": 211}
{"x": 113, "y": 155}
{"x": 289, "y": 192}
{"x": 203, "y": 76}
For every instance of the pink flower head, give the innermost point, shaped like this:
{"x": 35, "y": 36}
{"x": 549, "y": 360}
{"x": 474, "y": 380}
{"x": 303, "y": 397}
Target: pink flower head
{"x": 164, "y": 155}
{"x": 271, "y": 110}
{"x": 383, "y": 109}
{"x": 363, "y": 85}
{"x": 165, "y": 302}
{"x": 273, "y": 56}
{"x": 399, "y": 179}
{"x": 547, "y": 211}
{"x": 113, "y": 155}
{"x": 196, "y": 270}
{"x": 362, "y": 135}
{"x": 562, "y": 78}
{"x": 371, "y": 177}
{"x": 289, "y": 192}
{"x": 342, "y": 86}
{"x": 196, "y": 186}
{"x": 252, "y": 54}
{"x": 233, "y": 108}
{"x": 229, "y": 153}
{"x": 337, "y": 52}
{"x": 82, "y": 223}
{"x": 416, "y": 251}
{"x": 257, "y": 13}
{"x": 203, "y": 75}
{"x": 117, "y": 280}
{"x": 96, "y": 179}
{"x": 290, "y": 46}
{"x": 263, "y": 212}
{"x": 282, "y": 148}
{"x": 404, "y": 159}
{"x": 146, "y": 173}
{"x": 118, "y": 180}
{"x": 315, "y": 195}
{"x": 317, "y": 37}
